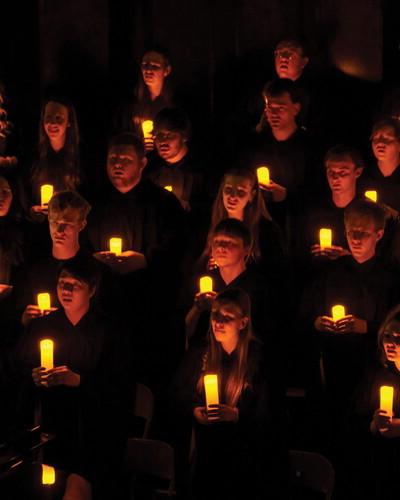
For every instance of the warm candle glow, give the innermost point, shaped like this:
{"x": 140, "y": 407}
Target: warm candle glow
{"x": 338, "y": 312}
{"x": 43, "y": 300}
{"x": 147, "y": 127}
{"x": 46, "y": 193}
{"x": 168, "y": 188}
{"x": 371, "y": 195}
{"x": 263, "y": 175}
{"x": 46, "y": 354}
{"x": 206, "y": 284}
{"x": 387, "y": 399}
{"x": 116, "y": 245}
{"x": 211, "y": 388}
{"x": 48, "y": 474}
{"x": 325, "y": 238}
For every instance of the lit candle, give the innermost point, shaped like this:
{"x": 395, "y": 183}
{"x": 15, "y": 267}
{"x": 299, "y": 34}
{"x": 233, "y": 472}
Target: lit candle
{"x": 168, "y": 188}
{"x": 263, "y": 175}
{"x": 338, "y": 312}
{"x": 211, "y": 388}
{"x": 387, "y": 399}
{"x": 371, "y": 195}
{"x": 147, "y": 128}
{"x": 43, "y": 300}
{"x": 116, "y": 245}
{"x": 46, "y": 354}
{"x": 48, "y": 474}
{"x": 325, "y": 238}
{"x": 206, "y": 284}
{"x": 46, "y": 193}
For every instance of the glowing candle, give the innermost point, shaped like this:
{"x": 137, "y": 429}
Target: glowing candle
{"x": 147, "y": 128}
{"x": 371, "y": 195}
{"x": 211, "y": 388}
{"x": 206, "y": 284}
{"x": 387, "y": 399}
{"x": 325, "y": 238}
{"x": 338, "y": 312}
{"x": 263, "y": 175}
{"x": 46, "y": 193}
{"x": 116, "y": 245}
{"x": 46, "y": 354}
{"x": 168, "y": 188}
{"x": 48, "y": 474}
{"x": 43, "y": 300}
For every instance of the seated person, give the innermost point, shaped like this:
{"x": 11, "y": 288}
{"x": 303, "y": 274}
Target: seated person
{"x": 231, "y": 461}
{"x": 82, "y": 393}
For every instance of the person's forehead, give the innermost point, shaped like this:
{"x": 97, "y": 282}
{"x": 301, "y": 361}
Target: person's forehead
{"x": 224, "y": 308}
{"x": 67, "y": 216}
{"x": 55, "y": 107}
{"x": 344, "y": 164}
{"x": 290, "y": 47}
{"x": 122, "y": 150}
{"x": 283, "y": 98}
{"x": 154, "y": 57}
{"x": 65, "y": 276}
{"x": 386, "y": 130}
{"x": 166, "y": 131}
{"x": 357, "y": 224}
{"x": 4, "y": 184}
{"x": 233, "y": 180}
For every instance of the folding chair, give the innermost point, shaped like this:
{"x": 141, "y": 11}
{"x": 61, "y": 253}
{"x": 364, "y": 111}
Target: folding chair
{"x": 143, "y": 408}
{"x": 311, "y": 471}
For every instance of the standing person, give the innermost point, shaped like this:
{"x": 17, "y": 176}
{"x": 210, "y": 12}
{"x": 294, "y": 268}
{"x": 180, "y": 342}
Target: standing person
{"x": 233, "y": 457}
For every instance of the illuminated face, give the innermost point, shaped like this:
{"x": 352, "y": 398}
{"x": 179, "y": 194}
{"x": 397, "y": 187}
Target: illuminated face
{"x": 289, "y": 61}
{"x": 281, "y": 112}
{"x": 6, "y": 197}
{"x": 362, "y": 240}
{"x": 385, "y": 145}
{"x": 226, "y": 323}
{"x": 124, "y": 167}
{"x": 170, "y": 145}
{"x": 237, "y": 192}
{"x": 65, "y": 229}
{"x": 342, "y": 176}
{"x": 227, "y": 250}
{"x": 391, "y": 343}
{"x": 56, "y": 121}
{"x": 73, "y": 294}
{"x": 154, "y": 69}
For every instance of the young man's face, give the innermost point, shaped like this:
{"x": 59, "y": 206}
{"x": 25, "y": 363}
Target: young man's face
{"x": 6, "y": 197}
{"x": 65, "y": 228}
{"x": 170, "y": 144}
{"x": 362, "y": 238}
{"x": 342, "y": 176}
{"x": 73, "y": 294}
{"x": 56, "y": 120}
{"x": 228, "y": 250}
{"x": 281, "y": 112}
{"x": 385, "y": 145}
{"x": 154, "y": 69}
{"x": 124, "y": 167}
{"x": 289, "y": 61}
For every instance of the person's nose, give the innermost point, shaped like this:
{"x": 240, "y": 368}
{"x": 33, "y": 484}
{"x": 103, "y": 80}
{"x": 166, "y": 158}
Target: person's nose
{"x": 60, "y": 228}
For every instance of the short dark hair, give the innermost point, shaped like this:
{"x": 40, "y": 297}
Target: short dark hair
{"x": 387, "y": 122}
{"x": 233, "y": 228}
{"x": 362, "y": 212}
{"x": 173, "y": 119}
{"x": 297, "y": 42}
{"x": 69, "y": 201}
{"x": 82, "y": 268}
{"x": 279, "y": 86}
{"x": 342, "y": 152}
{"x": 128, "y": 139}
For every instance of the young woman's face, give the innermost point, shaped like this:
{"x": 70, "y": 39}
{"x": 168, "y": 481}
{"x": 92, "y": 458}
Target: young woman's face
{"x": 227, "y": 250}
{"x": 391, "y": 344}
{"x": 56, "y": 121}
{"x": 385, "y": 145}
{"x": 154, "y": 69}
{"x": 6, "y": 197}
{"x": 237, "y": 192}
{"x": 227, "y": 323}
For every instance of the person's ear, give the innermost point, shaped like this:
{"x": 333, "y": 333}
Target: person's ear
{"x": 143, "y": 162}
{"x": 305, "y": 62}
{"x": 167, "y": 70}
{"x": 244, "y": 322}
{"x": 358, "y": 172}
{"x": 82, "y": 224}
{"x": 379, "y": 234}
{"x": 92, "y": 292}
{"x": 297, "y": 108}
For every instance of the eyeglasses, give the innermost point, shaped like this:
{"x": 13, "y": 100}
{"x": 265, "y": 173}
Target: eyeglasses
{"x": 390, "y": 337}
{"x": 222, "y": 318}
{"x": 358, "y": 235}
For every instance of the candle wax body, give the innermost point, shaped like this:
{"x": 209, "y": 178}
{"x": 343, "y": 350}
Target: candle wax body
{"x": 338, "y": 312}
{"x": 46, "y": 193}
{"x": 386, "y": 393}
{"x": 147, "y": 127}
{"x": 48, "y": 474}
{"x": 206, "y": 284}
{"x": 325, "y": 238}
{"x": 372, "y": 195}
{"x": 211, "y": 388}
{"x": 44, "y": 301}
{"x": 168, "y": 188}
{"x": 46, "y": 354}
{"x": 116, "y": 245}
{"x": 263, "y": 175}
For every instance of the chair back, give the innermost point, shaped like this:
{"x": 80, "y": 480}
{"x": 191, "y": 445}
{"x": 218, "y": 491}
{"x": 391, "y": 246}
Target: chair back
{"x": 144, "y": 406}
{"x": 312, "y": 471}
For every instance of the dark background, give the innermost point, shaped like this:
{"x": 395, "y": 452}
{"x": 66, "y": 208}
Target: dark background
{"x": 219, "y": 49}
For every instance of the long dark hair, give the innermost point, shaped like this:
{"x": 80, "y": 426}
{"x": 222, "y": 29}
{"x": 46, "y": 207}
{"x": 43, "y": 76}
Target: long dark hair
{"x": 239, "y": 302}
{"x": 392, "y": 317}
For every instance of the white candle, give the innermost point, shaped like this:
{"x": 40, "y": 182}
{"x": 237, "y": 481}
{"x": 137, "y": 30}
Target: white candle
{"x": 116, "y": 245}
{"x": 263, "y": 175}
{"x": 43, "y": 300}
{"x": 48, "y": 474}
{"x": 46, "y": 354}
{"x": 372, "y": 195}
{"x": 46, "y": 193}
{"x": 206, "y": 284}
{"x": 386, "y": 393}
{"x": 211, "y": 388}
{"x": 338, "y": 312}
{"x": 325, "y": 238}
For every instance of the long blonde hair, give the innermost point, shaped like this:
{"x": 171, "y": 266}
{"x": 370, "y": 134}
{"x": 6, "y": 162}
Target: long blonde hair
{"x": 239, "y": 301}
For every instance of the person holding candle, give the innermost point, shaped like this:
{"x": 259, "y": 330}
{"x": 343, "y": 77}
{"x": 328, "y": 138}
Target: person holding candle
{"x": 229, "y": 443}
{"x": 82, "y": 394}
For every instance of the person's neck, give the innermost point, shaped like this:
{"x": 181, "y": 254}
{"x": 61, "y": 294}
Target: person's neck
{"x": 63, "y": 252}
{"x": 75, "y": 316}
{"x": 363, "y": 259}
{"x": 229, "y": 347}
{"x": 127, "y": 189}
{"x": 397, "y": 365}
{"x": 236, "y": 215}
{"x": 182, "y": 153}
{"x": 57, "y": 144}
{"x": 155, "y": 90}
{"x": 341, "y": 200}
{"x": 230, "y": 273}
{"x": 389, "y": 166}
{"x": 284, "y": 134}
